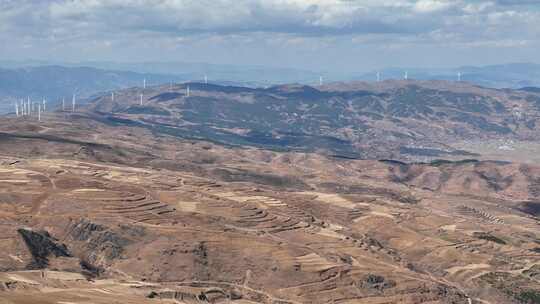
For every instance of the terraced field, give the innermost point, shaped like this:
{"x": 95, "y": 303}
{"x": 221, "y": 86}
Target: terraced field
{"x": 140, "y": 218}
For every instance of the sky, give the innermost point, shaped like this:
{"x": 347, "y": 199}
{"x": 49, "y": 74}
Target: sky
{"x": 334, "y": 35}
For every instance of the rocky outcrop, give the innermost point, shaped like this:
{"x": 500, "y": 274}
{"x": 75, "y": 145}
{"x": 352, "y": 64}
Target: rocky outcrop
{"x": 90, "y": 271}
{"x": 375, "y": 283}
{"x": 98, "y": 244}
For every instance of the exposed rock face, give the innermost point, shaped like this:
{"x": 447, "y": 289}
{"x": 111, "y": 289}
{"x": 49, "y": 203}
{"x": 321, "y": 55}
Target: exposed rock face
{"x": 376, "y": 283}
{"x": 100, "y": 244}
{"x": 90, "y": 271}
{"x": 42, "y": 245}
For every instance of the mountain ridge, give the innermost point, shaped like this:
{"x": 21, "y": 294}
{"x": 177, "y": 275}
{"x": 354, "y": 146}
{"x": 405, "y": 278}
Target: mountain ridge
{"x": 393, "y": 118}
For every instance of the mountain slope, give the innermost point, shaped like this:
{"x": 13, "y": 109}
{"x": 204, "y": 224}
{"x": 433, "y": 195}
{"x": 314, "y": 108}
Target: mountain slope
{"x": 414, "y": 120}
{"x": 106, "y": 212}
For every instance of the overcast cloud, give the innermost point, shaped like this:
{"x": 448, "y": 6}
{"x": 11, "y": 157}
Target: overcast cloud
{"x": 316, "y": 34}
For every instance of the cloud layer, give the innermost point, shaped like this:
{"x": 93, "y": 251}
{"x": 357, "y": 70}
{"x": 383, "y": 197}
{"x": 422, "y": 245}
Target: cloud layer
{"x": 108, "y": 26}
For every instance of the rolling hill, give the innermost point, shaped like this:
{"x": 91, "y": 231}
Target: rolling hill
{"x": 98, "y": 211}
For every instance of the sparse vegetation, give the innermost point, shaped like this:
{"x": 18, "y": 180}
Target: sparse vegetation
{"x": 134, "y": 206}
{"x": 299, "y": 117}
{"x": 529, "y": 297}
{"x": 489, "y": 237}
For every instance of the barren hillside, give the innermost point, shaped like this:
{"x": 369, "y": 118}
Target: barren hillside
{"x": 122, "y": 203}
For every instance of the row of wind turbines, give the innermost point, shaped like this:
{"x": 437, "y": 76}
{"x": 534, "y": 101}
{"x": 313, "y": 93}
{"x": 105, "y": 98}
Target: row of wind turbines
{"x": 379, "y": 78}
{"x": 406, "y": 76}
{"x": 141, "y": 96}
{"x": 170, "y": 87}
{"x": 321, "y": 82}
{"x": 27, "y": 108}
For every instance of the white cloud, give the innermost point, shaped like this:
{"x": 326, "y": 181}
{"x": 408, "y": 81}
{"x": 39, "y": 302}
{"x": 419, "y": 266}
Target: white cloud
{"x": 477, "y": 8}
{"x": 430, "y": 6}
{"x": 117, "y": 25}
{"x": 185, "y": 17}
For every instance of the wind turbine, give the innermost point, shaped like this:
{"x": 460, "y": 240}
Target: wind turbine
{"x": 73, "y": 102}
{"x": 112, "y": 96}
{"x": 16, "y": 109}
{"x": 63, "y": 104}
{"x": 144, "y": 83}
{"x": 44, "y": 104}
{"x": 459, "y": 76}
{"x": 39, "y": 112}
{"x": 320, "y": 80}
{"x": 406, "y": 76}
{"x": 141, "y": 99}
{"x": 378, "y": 76}
{"x": 28, "y": 107}
{"x": 205, "y": 79}
{"x": 187, "y": 91}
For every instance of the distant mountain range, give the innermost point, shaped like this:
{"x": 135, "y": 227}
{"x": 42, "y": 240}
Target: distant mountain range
{"x": 515, "y": 75}
{"x": 217, "y": 73}
{"x": 37, "y": 79}
{"x": 512, "y": 75}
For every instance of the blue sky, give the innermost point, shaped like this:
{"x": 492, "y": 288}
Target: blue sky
{"x": 335, "y": 35}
